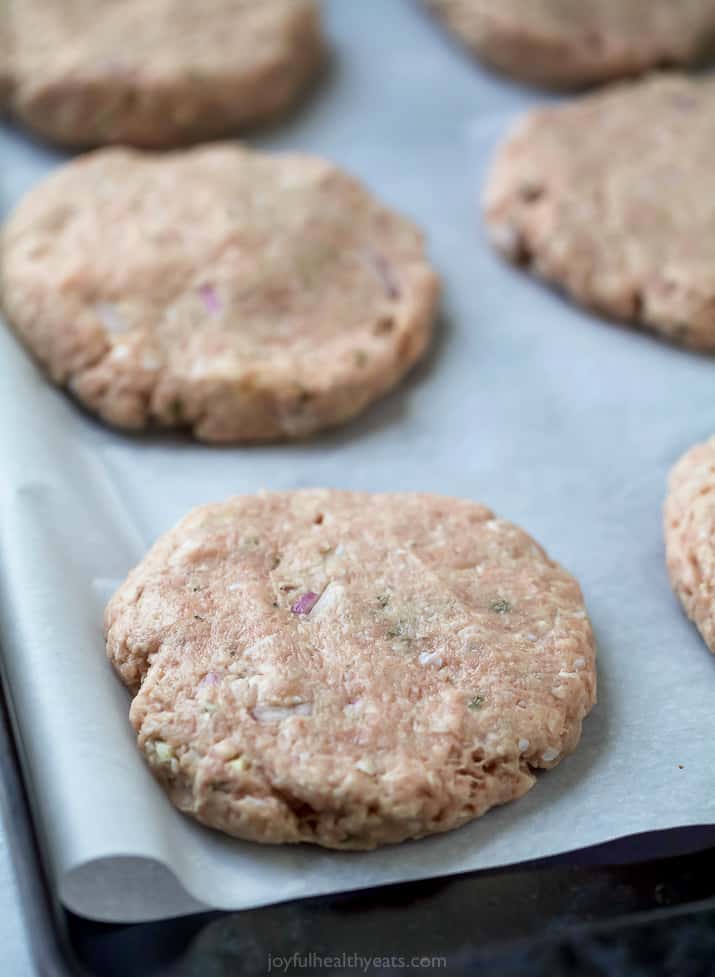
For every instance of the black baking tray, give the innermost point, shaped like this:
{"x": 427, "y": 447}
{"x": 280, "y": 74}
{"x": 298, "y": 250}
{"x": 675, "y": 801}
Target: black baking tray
{"x": 614, "y": 909}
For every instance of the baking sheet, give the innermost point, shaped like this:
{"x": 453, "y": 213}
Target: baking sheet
{"x": 560, "y": 422}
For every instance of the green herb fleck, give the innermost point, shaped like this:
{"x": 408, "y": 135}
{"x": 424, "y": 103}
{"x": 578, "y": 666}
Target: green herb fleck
{"x": 500, "y": 606}
{"x": 251, "y": 540}
{"x": 383, "y": 600}
{"x": 176, "y": 408}
{"x": 399, "y": 630}
{"x": 360, "y": 358}
{"x": 476, "y": 703}
{"x": 197, "y": 617}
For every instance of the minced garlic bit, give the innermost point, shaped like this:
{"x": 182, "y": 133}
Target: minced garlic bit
{"x": 238, "y": 765}
{"x": 431, "y": 658}
{"x": 274, "y": 714}
{"x": 111, "y": 318}
{"x": 164, "y": 752}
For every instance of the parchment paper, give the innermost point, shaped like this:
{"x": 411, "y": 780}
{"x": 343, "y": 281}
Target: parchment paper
{"x": 560, "y": 422}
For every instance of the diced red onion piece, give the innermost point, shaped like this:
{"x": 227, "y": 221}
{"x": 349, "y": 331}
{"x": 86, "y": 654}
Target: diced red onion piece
{"x": 211, "y": 300}
{"x": 387, "y": 276}
{"x": 305, "y": 603}
{"x": 210, "y": 678}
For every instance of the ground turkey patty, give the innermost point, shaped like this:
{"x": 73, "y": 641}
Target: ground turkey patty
{"x": 690, "y": 535}
{"x": 567, "y": 43}
{"x": 612, "y": 197}
{"x": 350, "y": 669}
{"x": 157, "y": 73}
{"x": 242, "y": 295}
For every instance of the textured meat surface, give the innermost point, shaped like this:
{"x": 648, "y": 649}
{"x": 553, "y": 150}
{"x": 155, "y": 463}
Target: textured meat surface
{"x": 690, "y": 536}
{"x": 242, "y": 295}
{"x": 350, "y": 669}
{"x": 611, "y": 198}
{"x": 158, "y": 73}
{"x": 566, "y": 43}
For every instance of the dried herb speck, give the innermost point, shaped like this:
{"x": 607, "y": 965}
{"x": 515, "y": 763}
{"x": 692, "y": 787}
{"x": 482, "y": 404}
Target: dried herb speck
{"x": 304, "y": 398}
{"x": 476, "y": 703}
{"x": 399, "y": 630}
{"x": 500, "y": 606}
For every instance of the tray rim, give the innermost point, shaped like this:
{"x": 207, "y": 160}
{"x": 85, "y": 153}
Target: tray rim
{"x": 43, "y": 917}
